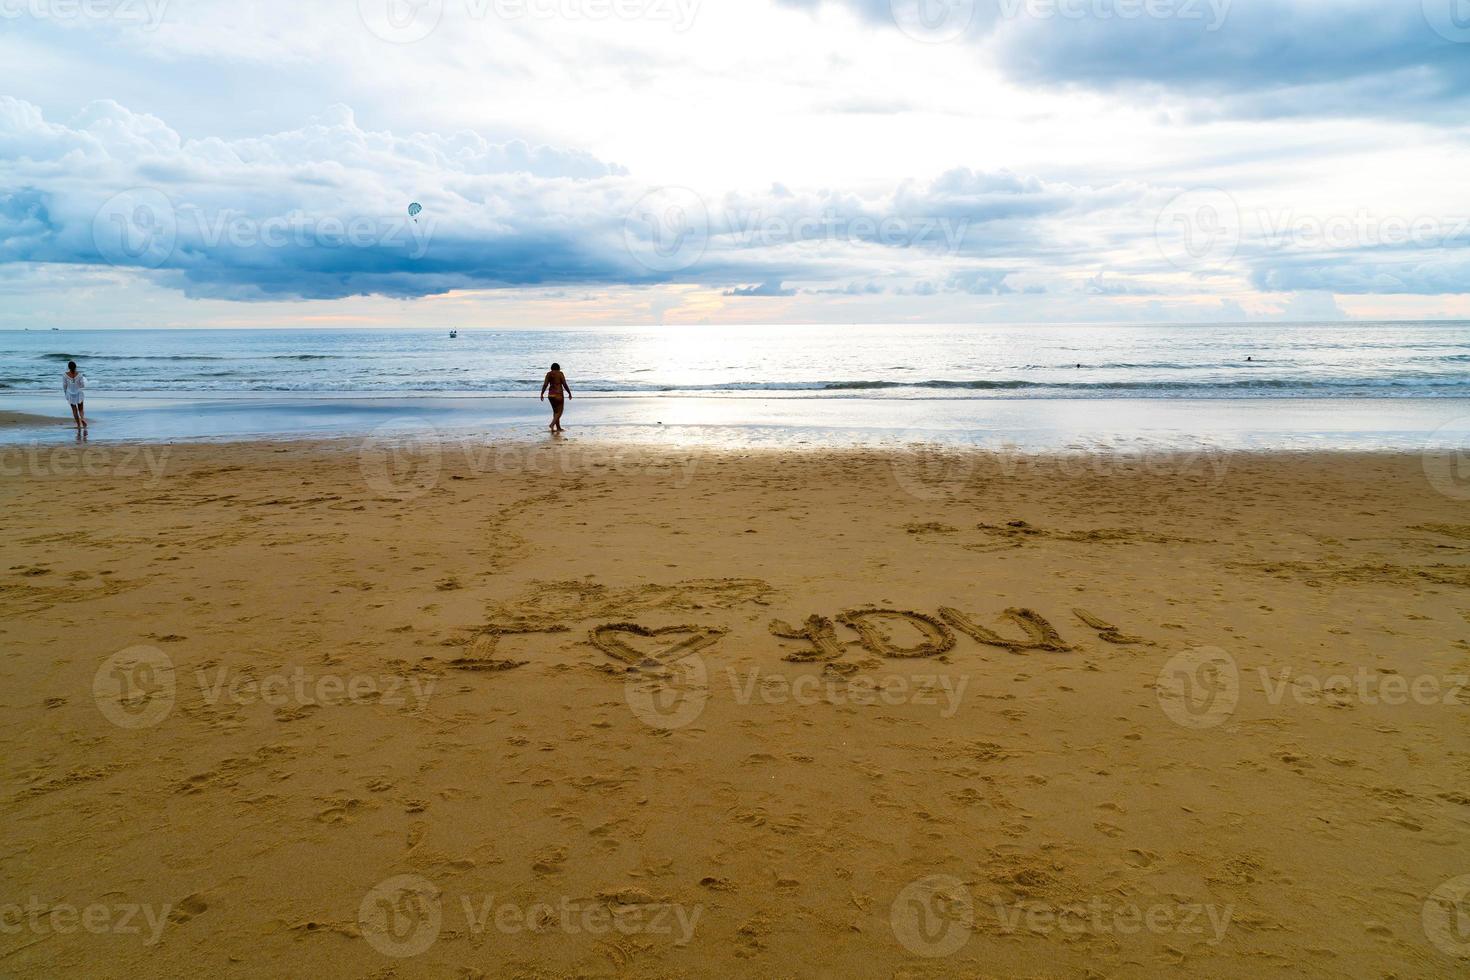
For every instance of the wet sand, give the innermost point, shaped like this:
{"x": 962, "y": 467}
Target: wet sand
{"x": 9, "y": 419}
{"x": 350, "y": 709}
{"x": 755, "y": 420}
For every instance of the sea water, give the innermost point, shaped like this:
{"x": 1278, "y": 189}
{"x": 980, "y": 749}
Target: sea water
{"x": 1360, "y": 384}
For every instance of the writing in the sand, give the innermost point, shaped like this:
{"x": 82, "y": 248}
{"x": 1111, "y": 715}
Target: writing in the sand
{"x": 884, "y": 632}
{"x": 875, "y": 629}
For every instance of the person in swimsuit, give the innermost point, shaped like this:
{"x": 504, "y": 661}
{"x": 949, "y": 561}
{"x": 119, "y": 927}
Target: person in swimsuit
{"x": 552, "y": 388}
{"x": 73, "y": 386}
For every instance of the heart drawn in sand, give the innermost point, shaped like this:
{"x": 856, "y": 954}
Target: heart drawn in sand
{"x": 619, "y": 641}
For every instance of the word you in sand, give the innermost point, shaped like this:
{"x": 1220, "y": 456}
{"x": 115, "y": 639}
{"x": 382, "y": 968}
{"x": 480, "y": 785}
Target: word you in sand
{"x": 875, "y": 629}
{"x": 933, "y": 635}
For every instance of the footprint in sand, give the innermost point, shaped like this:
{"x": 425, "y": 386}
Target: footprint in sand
{"x": 188, "y": 907}
{"x": 1139, "y": 859}
{"x": 549, "y": 860}
{"x": 340, "y": 810}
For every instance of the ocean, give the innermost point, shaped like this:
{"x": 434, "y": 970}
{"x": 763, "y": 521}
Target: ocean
{"x": 1416, "y": 360}
{"x": 1045, "y": 388}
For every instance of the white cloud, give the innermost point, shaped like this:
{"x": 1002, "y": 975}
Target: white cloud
{"x": 838, "y": 160}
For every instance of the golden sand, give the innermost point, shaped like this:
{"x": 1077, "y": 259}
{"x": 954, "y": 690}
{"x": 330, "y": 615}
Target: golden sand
{"x": 327, "y": 710}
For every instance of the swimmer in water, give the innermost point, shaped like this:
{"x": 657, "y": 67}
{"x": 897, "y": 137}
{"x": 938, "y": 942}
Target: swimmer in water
{"x": 552, "y": 388}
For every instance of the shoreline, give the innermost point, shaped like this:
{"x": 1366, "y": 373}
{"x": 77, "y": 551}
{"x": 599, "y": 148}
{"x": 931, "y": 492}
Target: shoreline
{"x": 28, "y": 420}
{"x": 1025, "y": 425}
{"x": 577, "y": 443}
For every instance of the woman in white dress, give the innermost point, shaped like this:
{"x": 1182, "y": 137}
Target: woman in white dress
{"x": 73, "y": 384}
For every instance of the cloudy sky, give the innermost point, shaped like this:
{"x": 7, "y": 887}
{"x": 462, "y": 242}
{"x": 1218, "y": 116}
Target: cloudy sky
{"x": 202, "y": 163}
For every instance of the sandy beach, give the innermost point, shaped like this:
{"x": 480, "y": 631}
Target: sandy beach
{"x": 347, "y": 709}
